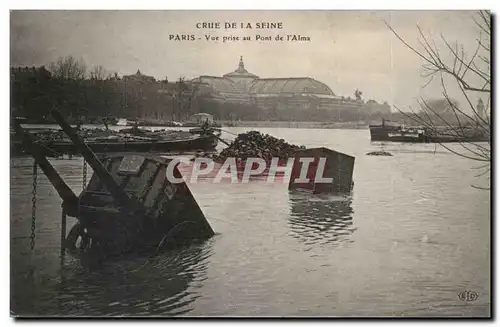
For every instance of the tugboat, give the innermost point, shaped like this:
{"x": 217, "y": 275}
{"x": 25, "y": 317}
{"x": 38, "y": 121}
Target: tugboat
{"x": 381, "y": 132}
{"x": 411, "y": 135}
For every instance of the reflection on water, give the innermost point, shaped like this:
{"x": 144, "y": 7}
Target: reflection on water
{"x": 422, "y": 236}
{"x": 163, "y": 285}
{"x": 320, "y": 219}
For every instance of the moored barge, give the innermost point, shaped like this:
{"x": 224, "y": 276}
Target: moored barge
{"x": 54, "y": 145}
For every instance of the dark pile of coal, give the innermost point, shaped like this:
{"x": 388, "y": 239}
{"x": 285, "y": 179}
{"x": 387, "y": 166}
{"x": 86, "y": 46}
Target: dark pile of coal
{"x": 96, "y": 133}
{"x": 48, "y": 136}
{"x": 379, "y": 153}
{"x": 257, "y": 145}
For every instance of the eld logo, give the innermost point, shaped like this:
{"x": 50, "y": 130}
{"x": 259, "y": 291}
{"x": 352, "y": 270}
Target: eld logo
{"x": 468, "y": 296}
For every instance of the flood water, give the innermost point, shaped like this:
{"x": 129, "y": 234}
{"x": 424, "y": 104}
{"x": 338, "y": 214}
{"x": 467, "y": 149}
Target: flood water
{"x": 412, "y": 235}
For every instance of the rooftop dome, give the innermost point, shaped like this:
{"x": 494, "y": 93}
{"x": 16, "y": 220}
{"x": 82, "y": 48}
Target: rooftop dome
{"x": 241, "y": 71}
{"x": 298, "y": 85}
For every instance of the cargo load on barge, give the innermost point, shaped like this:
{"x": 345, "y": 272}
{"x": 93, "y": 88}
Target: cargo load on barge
{"x": 55, "y": 143}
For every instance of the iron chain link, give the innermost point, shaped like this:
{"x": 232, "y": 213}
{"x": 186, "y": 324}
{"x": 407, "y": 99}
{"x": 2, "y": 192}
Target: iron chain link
{"x": 33, "y": 207}
{"x": 84, "y": 183}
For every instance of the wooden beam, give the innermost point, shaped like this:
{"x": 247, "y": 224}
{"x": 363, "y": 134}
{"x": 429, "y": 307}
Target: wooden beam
{"x": 116, "y": 191}
{"x": 63, "y": 231}
{"x": 70, "y": 200}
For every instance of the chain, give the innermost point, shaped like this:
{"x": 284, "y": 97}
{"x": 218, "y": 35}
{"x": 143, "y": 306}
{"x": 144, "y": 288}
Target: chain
{"x": 33, "y": 208}
{"x": 84, "y": 174}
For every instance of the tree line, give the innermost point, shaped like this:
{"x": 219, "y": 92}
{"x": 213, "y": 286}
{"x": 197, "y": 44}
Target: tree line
{"x": 90, "y": 95}
{"x": 67, "y": 85}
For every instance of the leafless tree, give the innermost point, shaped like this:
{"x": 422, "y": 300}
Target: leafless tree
{"x": 182, "y": 94}
{"x": 68, "y": 68}
{"x": 98, "y": 73}
{"x": 471, "y": 74}
{"x": 113, "y": 76}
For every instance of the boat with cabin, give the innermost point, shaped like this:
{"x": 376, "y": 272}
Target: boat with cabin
{"x": 412, "y": 135}
{"x": 201, "y": 119}
{"x": 380, "y": 132}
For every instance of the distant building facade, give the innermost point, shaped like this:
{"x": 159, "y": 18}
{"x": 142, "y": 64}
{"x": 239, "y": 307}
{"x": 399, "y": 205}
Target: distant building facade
{"x": 304, "y": 93}
{"x": 201, "y": 118}
{"x": 238, "y": 95}
{"x": 139, "y": 78}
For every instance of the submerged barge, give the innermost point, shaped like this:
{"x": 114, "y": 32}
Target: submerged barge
{"x": 129, "y": 203}
{"x": 159, "y": 213}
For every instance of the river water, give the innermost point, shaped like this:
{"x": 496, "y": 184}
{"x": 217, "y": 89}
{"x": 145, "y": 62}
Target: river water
{"x": 409, "y": 239}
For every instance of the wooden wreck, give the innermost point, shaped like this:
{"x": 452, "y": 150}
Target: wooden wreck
{"x": 337, "y": 166}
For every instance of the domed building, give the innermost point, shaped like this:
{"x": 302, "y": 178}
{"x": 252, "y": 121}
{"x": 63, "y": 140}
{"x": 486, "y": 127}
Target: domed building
{"x": 232, "y": 86}
{"x": 241, "y": 77}
{"x": 241, "y": 86}
{"x": 139, "y": 78}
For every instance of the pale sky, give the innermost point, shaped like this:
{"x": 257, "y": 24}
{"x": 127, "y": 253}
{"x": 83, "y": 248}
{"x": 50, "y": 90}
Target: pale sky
{"x": 348, "y": 49}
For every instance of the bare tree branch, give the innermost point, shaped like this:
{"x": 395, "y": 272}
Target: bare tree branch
{"x": 68, "y": 68}
{"x": 481, "y": 188}
{"x": 434, "y": 62}
{"x": 98, "y": 73}
{"x": 453, "y": 123}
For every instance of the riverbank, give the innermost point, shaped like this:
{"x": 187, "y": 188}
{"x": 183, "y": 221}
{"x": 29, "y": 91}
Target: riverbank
{"x": 295, "y": 124}
{"x": 228, "y": 123}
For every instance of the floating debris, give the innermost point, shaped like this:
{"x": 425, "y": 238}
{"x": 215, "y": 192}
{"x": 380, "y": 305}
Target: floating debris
{"x": 379, "y": 153}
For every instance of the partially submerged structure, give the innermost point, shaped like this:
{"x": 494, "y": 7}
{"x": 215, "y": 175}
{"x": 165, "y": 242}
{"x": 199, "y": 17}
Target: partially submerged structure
{"x": 129, "y": 203}
{"x": 338, "y": 167}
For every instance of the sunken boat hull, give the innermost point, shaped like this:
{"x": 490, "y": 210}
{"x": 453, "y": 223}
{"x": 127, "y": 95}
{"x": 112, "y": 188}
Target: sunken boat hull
{"x": 169, "y": 217}
{"x": 133, "y": 202}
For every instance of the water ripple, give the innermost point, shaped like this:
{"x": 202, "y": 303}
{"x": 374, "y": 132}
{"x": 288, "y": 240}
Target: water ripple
{"x": 320, "y": 220}
{"x": 422, "y": 236}
{"x": 161, "y": 285}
